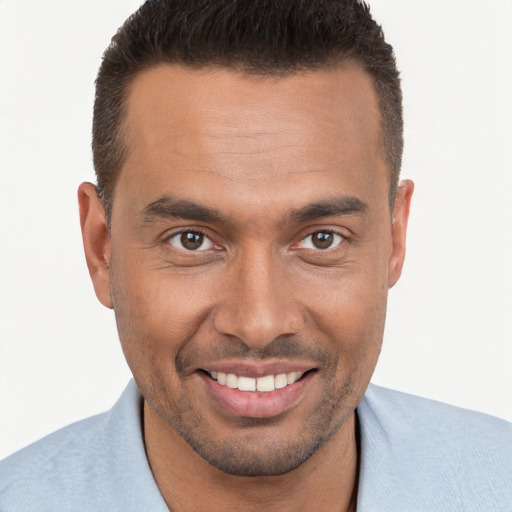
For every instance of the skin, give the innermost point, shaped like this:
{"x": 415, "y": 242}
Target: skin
{"x": 258, "y": 294}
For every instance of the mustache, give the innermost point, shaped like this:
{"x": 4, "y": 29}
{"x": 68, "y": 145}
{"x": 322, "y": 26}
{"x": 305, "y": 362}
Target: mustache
{"x": 282, "y": 347}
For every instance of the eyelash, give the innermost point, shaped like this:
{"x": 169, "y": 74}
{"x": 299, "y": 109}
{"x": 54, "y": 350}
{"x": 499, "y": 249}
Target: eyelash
{"x": 335, "y": 244}
{"x": 338, "y": 239}
{"x": 179, "y": 234}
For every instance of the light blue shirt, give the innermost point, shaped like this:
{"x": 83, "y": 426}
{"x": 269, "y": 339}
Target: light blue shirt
{"x": 416, "y": 455}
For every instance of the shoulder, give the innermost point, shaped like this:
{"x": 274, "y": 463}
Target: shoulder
{"x": 401, "y": 410}
{"x": 435, "y": 454}
{"x": 96, "y": 464}
{"x": 40, "y": 473}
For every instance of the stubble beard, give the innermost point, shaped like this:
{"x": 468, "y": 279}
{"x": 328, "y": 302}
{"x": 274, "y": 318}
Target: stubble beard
{"x": 253, "y": 455}
{"x": 261, "y": 456}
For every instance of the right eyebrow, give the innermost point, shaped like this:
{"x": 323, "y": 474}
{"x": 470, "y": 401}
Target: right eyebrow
{"x": 168, "y": 208}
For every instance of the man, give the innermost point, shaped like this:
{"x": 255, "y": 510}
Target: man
{"x": 247, "y": 223}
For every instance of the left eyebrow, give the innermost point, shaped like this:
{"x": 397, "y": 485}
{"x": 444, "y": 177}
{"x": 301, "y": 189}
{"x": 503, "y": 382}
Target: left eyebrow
{"x": 344, "y": 205}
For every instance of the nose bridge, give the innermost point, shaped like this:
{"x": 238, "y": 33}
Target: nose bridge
{"x": 257, "y": 307}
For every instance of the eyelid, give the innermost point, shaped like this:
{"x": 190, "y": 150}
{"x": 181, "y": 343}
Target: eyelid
{"x": 177, "y": 234}
{"x": 338, "y": 240}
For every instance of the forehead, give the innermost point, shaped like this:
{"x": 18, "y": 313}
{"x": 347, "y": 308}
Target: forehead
{"x": 198, "y": 126}
{"x": 339, "y": 100}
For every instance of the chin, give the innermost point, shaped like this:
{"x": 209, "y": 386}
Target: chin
{"x": 272, "y": 459}
{"x": 263, "y": 447}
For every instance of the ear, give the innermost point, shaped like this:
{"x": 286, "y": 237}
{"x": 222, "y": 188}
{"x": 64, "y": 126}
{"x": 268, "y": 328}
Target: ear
{"x": 96, "y": 240}
{"x": 400, "y": 218}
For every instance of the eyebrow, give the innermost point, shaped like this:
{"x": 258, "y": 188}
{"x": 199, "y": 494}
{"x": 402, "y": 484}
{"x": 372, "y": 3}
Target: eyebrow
{"x": 168, "y": 208}
{"x": 344, "y": 205}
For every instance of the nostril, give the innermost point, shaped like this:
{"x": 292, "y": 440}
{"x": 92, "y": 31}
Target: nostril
{"x": 256, "y": 327}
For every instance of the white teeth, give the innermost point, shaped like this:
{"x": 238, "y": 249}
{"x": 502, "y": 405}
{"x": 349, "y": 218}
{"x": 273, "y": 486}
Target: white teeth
{"x": 231, "y": 381}
{"x": 265, "y": 384}
{"x": 262, "y": 384}
{"x": 292, "y": 377}
{"x": 246, "y": 384}
{"x": 281, "y": 381}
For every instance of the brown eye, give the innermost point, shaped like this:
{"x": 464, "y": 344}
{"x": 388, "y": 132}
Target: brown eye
{"x": 321, "y": 240}
{"x": 191, "y": 241}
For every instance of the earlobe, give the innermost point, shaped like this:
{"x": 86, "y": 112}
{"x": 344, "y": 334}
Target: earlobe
{"x": 96, "y": 241}
{"x": 399, "y": 230}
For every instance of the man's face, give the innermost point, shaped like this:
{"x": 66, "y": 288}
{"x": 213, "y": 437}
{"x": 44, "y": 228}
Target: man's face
{"x": 251, "y": 239}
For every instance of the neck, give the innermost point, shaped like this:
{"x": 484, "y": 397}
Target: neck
{"x": 327, "y": 481}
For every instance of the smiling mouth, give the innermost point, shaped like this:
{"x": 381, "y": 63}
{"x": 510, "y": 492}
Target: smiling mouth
{"x": 265, "y": 384}
{"x": 252, "y": 394}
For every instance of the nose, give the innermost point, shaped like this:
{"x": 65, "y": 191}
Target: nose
{"x": 258, "y": 304}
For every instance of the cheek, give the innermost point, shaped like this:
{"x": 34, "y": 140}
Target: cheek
{"x": 356, "y": 335}
{"x": 350, "y": 308}
{"x": 156, "y": 315}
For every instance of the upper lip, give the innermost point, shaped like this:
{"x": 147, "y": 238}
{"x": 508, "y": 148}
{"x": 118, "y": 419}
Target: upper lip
{"x": 255, "y": 369}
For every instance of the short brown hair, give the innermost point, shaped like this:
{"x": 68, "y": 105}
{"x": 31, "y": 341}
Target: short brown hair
{"x": 265, "y": 37}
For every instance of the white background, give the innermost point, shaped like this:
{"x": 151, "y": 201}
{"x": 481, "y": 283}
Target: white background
{"x": 449, "y": 332}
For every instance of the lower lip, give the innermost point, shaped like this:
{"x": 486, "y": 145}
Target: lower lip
{"x": 254, "y": 404}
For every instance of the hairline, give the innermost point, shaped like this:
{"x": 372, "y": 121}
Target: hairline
{"x": 121, "y": 137}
